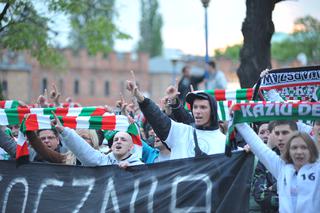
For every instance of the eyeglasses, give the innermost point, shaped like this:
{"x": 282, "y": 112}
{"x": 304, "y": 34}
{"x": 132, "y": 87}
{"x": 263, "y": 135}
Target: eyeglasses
{"x": 86, "y": 138}
{"x": 47, "y": 137}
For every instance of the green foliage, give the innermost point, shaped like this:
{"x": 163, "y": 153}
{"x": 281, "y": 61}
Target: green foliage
{"x": 93, "y": 27}
{"x": 150, "y": 28}
{"x": 231, "y": 52}
{"x": 24, "y": 27}
{"x": 304, "y": 39}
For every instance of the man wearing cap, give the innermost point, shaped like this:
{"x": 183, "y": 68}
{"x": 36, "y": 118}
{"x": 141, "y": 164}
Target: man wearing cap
{"x": 184, "y": 140}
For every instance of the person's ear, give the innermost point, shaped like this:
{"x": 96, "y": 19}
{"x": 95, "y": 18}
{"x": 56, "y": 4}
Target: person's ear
{"x": 131, "y": 147}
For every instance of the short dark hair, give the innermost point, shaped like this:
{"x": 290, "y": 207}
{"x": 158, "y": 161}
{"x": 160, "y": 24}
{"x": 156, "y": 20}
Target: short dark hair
{"x": 292, "y": 124}
{"x": 184, "y": 69}
{"x": 314, "y": 153}
{"x": 257, "y": 125}
{"x": 212, "y": 64}
{"x": 55, "y": 132}
{"x": 271, "y": 125}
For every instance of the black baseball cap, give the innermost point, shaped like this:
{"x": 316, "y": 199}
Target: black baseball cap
{"x": 191, "y": 96}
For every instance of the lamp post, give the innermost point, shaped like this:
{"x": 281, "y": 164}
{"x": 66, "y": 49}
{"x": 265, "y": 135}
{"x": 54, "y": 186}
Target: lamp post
{"x": 205, "y": 4}
{"x": 174, "y": 63}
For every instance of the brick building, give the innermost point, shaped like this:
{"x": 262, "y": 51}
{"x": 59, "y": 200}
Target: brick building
{"x": 89, "y": 80}
{"x": 162, "y": 70}
{"x": 99, "y": 80}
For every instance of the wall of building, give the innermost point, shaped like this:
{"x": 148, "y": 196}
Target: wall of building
{"x": 18, "y": 84}
{"x": 24, "y": 76}
{"x": 159, "y": 82}
{"x": 92, "y": 74}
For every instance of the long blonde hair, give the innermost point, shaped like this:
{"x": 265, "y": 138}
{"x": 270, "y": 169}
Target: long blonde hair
{"x": 70, "y": 158}
{"x": 93, "y": 136}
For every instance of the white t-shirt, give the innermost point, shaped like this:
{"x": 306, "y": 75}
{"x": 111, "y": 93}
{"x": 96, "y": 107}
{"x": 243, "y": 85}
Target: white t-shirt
{"x": 181, "y": 141}
{"x": 161, "y": 157}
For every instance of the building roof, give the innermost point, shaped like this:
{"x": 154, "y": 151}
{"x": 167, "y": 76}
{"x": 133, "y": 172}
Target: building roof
{"x": 14, "y": 61}
{"x": 158, "y": 65}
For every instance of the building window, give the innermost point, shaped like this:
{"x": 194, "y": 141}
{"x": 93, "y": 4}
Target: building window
{"x": 76, "y": 87}
{"x": 92, "y": 87}
{"x": 4, "y": 88}
{"x": 44, "y": 85}
{"x": 61, "y": 86}
{"x": 106, "y": 88}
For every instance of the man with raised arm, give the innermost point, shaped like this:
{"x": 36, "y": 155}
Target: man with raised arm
{"x": 184, "y": 140}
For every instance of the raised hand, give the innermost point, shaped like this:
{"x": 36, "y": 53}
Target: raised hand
{"x": 172, "y": 93}
{"x": 55, "y": 95}
{"x": 165, "y": 105}
{"x": 42, "y": 100}
{"x": 133, "y": 88}
{"x": 191, "y": 88}
{"x": 56, "y": 123}
{"x": 122, "y": 105}
{"x": 264, "y": 73}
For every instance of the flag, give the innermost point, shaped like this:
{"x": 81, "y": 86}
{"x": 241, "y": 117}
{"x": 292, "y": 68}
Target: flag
{"x": 222, "y": 94}
{"x": 22, "y": 151}
{"x": 16, "y": 115}
{"x": 9, "y": 104}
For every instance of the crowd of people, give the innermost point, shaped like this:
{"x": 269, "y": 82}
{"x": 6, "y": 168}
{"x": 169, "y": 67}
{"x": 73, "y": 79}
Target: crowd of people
{"x": 287, "y": 169}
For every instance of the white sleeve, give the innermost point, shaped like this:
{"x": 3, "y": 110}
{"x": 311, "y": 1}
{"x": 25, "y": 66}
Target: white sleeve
{"x": 221, "y": 80}
{"x": 86, "y": 154}
{"x": 178, "y": 135}
{"x": 268, "y": 157}
{"x": 302, "y": 127}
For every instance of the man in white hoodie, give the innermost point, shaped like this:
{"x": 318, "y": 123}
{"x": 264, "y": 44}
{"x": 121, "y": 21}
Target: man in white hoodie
{"x": 184, "y": 140}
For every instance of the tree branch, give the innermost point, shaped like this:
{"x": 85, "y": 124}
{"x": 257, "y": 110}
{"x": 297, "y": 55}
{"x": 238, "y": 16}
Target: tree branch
{"x": 4, "y": 11}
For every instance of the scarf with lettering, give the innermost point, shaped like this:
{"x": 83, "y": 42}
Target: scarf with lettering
{"x": 299, "y": 83}
{"x": 263, "y": 111}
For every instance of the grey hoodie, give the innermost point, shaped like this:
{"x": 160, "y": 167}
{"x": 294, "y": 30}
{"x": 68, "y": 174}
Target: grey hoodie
{"x": 89, "y": 156}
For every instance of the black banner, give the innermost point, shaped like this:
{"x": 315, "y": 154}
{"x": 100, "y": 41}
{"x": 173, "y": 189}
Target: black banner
{"x": 211, "y": 184}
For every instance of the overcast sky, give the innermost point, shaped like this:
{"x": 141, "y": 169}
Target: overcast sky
{"x": 183, "y": 26}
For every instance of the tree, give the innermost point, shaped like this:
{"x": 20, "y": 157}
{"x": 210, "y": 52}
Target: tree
{"x": 231, "y": 52}
{"x": 150, "y": 28}
{"x": 92, "y": 26}
{"x": 304, "y": 39}
{"x": 257, "y": 30}
{"x": 24, "y": 27}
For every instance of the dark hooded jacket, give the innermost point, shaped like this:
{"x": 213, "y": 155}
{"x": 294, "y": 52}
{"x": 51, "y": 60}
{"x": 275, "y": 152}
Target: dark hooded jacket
{"x": 161, "y": 123}
{"x": 181, "y": 136}
{"x": 214, "y": 124}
